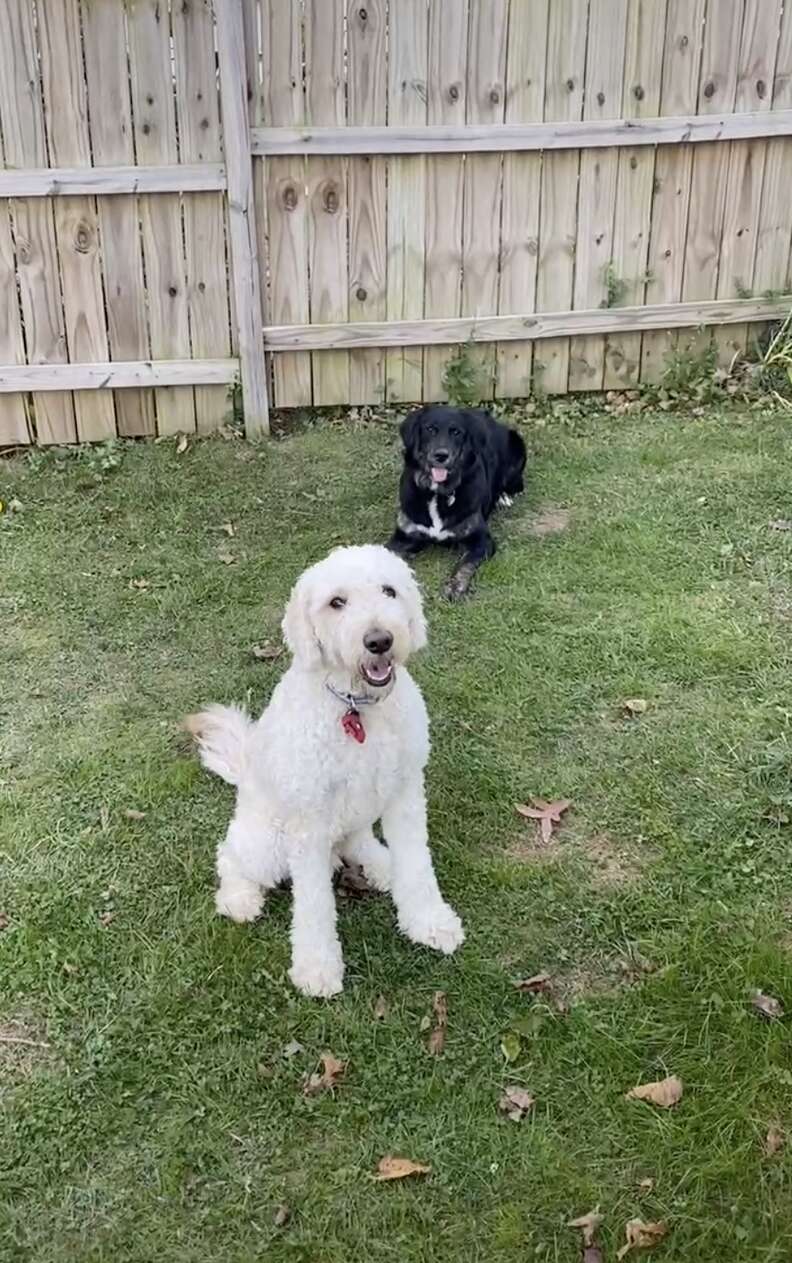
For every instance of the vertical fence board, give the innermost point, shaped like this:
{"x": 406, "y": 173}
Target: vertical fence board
{"x": 774, "y": 229}
{"x": 282, "y": 188}
{"x": 673, "y": 172}
{"x": 718, "y": 85}
{"x": 641, "y": 99}
{"x": 13, "y": 410}
{"x": 407, "y": 71}
{"x": 160, "y": 213}
{"x": 447, "y": 91}
{"x": 76, "y": 218}
{"x": 107, "y": 79}
{"x": 746, "y": 167}
{"x": 367, "y": 105}
{"x": 522, "y": 175}
{"x": 22, "y": 120}
{"x": 204, "y": 218}
{"x": 327, "y": 193}
{"x": 597, "y": 189}
{"x": 566, "y": 66}
{"x": 486, "y": 96}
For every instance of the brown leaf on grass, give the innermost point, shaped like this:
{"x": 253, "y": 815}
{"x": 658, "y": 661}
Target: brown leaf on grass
{"x": 282, "y": 1216}
{"x": 438, "y": 1033}
{"x": 535, "y": 984}
{"x": 132, "y": 813}
{"x": 390, "y": 1168}
{"x": 352, "y": 882}
{"x": 4, "y": 922}
{"x": 381, "y": 1008}
{"x": 547, "y": 815}
{"x": 516, "y": 1103}
{"x": 773, "y": 1141}
{"x": 140, "y": 584}
{"x": 662, "y": 1092}
{"x": 326, "y": 1079}
{"x": 106, "y": 917}
{"x": 266, "y": 651}
{"x": 227, "y": 558}
{"x": 293, "y": 1048}
{"x": 588, "y": 1225}
{"x": 646, "y": 1185}
{"x": 641, "y": 1235}
{"x": 634, "y": 706}
{"x": 181, "y": 446}
{"x": 229, "y": 529}
{"x": 767, "y": 1005}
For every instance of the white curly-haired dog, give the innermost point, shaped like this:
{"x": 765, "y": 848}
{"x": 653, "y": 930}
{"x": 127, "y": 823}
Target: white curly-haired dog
{"x": 342, "y": 744}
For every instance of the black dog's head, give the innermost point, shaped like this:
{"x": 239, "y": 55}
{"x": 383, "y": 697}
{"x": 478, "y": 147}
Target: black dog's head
{"x": 438, "y": 446}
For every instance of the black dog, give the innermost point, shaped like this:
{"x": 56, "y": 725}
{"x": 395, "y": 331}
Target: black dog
{"x": 458, "y": 464}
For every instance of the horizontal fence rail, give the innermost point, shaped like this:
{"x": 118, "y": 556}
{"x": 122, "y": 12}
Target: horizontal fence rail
{"x": 506, "y": 138}
{"x": 201, "y": 177}
{"x": 117, "y": 375}
{"x": 510, "y": 328}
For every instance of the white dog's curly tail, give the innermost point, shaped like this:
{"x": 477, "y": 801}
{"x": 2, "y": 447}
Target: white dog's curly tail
{"x": 222, "y": 734}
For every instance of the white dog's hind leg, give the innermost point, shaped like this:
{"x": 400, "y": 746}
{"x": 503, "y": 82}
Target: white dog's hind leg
{"x": 317, "y": 966}
{"x": 362, "y": 847}
{"x": 424, "y": 916}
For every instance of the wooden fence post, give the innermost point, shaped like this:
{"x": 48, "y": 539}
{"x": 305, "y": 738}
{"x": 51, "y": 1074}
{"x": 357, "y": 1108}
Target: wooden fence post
{"x": 241, "y": 214}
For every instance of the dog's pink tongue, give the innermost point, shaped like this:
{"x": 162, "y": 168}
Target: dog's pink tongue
{"x": 439, "y": 474}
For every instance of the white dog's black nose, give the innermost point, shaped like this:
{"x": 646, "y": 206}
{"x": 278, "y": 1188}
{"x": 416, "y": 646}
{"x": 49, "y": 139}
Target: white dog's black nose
{"x": 378, "y": 641}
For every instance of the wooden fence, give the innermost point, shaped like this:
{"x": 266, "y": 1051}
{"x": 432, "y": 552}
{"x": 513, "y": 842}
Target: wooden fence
{"x": 323, "y": 196}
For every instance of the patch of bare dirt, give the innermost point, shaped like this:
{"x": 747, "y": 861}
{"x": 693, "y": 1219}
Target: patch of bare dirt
{"x": 613, "y": 863}
{"x": 547, "y": 521}
{"x": 23, "y": 1047}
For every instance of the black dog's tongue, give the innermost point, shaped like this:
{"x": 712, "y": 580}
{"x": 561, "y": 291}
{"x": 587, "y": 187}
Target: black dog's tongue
{"x": 439, "y": 474}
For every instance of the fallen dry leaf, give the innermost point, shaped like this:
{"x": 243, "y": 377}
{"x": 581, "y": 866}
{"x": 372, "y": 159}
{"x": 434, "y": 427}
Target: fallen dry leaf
{"x": 140, "y": 584}
{"x": 424, "y": 1024}
{"x": 546, "y": 814}
{"x": 181, "y": 446}
{"x": 438, "y": 1032}
{"x": 663, "y": 1092}
{"x": 773, "y": 1141}
{"x": 515, "y": 1103}
{"x": 4, "y": 922}
{"x": 132, "y": 814}
{"x": 326, "y": 1079}
{"x": 381, "y": 1008}
{"x": 588, "y": 1225}
{"x": 767, "y": 1005}
{"x": 781, "y": 524}
{"x": 390, "y": 1168}
{"x": 641, "y": 1235}
{"x": 266, "y": 651}
{"x": 228, "y": 527}
{"x": 539, "y": 982}
{"x": 106, "y": 917}
{"x": 282, "y": 1216}
{"x": 635, "y": 706}
{"x": 226, "y": 557}
{"x": 352, "y": 882}
{"x": 646, "y": 1186}
{"x": 293, "y": 1048}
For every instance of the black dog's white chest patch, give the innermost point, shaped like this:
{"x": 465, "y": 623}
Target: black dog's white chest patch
{"x": 437, "y": 529}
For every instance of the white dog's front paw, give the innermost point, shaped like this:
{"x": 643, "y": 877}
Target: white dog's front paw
{"x": 318, "y": 976}
{"x": 437, "y": 926}
{"x": 239, "y": 900}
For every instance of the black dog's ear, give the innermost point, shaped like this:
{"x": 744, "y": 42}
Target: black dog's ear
{"x": 410, "y": 427}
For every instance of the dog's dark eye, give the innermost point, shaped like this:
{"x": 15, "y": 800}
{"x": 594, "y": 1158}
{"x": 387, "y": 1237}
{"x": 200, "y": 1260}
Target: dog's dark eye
{"x": 388, "y": 590}
{"x": 338, "y": 602}
{"x": 454, "y": 431}
{"x": 431, "y": 429}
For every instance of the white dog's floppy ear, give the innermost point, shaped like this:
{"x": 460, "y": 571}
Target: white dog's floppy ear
{"x": 415, "y": 612}
{"x": 298, "y": 629}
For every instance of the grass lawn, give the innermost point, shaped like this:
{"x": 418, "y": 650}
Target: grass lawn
{"x": 154, "y": 1113}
